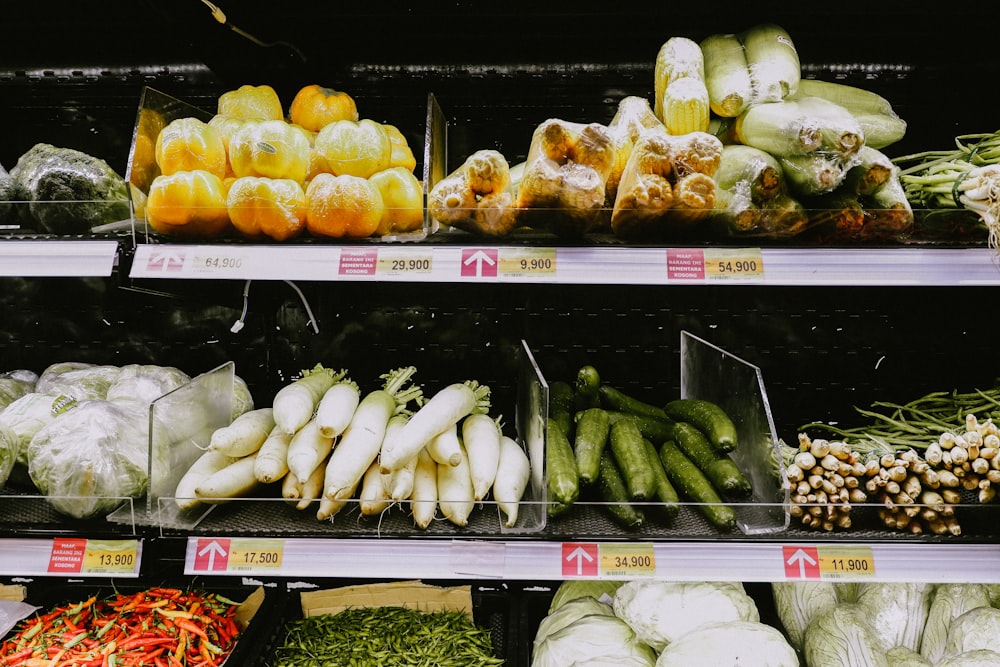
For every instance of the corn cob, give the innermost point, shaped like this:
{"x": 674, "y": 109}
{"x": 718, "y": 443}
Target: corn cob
{"x": 631, "y": 119}
{"x": 751, "y": 170}
{"x": 685, "y": 106}
{"x": 727, "y": 76}
{"x": 813, "y": 174}
{"x": 678, "y": 57}
{"x": 873, "y": 170}
{"x": 879, "y": 122}
{"x": 773, "y": 62}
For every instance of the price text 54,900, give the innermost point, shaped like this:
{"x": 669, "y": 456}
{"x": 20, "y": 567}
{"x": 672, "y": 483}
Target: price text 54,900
{"x": 738, "y": 266}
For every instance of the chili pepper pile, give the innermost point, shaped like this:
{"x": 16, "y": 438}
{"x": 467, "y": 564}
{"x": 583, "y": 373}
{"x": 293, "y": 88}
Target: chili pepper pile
{"x": 157, "y": 627}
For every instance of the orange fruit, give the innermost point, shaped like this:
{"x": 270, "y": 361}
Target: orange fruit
{"x": 343, "y": 206}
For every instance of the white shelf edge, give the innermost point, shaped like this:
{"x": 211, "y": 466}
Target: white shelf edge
{"x": 542, "y": 560}
{"x": 419, "y": 262}
{"x": 40, "y": 259}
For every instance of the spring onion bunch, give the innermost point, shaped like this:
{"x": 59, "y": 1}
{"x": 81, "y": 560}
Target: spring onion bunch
{"x": 967, "y": 176}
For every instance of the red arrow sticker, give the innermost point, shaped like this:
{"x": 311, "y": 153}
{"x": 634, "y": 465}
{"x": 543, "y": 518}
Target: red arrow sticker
{"x": 165, "y": 261}
{"x": 211, "y": 555}
{"x": 481, "y": 262}
{"x": 801, "y": 562}
{"x": 580, "y": 559}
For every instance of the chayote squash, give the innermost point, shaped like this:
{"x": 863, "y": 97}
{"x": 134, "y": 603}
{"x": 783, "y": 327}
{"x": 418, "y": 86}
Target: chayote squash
{"x": 68, "y": 191}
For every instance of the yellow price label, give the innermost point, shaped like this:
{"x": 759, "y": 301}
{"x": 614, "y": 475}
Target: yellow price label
{"x": 404, "y": 262}
{"x": 110, "y": 557}
{"x": 527, "y": 261}
{"x": 733, "y": 263}
{"x": 845, "y": 562}
{"x": 245, "y": 555}
{"x": 627, "y": 559}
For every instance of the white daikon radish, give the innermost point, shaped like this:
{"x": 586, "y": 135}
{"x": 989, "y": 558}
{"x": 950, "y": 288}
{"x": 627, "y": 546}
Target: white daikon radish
{"x": 245, "y": 434}
{"x": 203, "y": 467}
{"x": 272, "y": 457}
{"x": 336, "y": 408}
{"x": 513, "y": 473}
{"x": 306, "y": 450}
{"x": 424, "y": 496}
{"x": 481, "y": 438}
{"x": 454, "y": 488}
{"x": 295, "y": 403}
{"x": 236, "y": 480}
{"x": 445, "y": 447}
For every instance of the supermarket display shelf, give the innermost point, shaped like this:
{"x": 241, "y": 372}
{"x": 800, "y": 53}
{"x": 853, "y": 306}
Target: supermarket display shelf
{"x": 577, "y": 265}
{"x": 58, "y": 258}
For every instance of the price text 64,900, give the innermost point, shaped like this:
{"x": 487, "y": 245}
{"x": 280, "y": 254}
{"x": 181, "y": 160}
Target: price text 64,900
{"x": 223, "y": 262}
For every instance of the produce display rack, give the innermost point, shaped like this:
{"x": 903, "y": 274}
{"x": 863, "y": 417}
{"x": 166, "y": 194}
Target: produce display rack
{"x": 831, "y": 326}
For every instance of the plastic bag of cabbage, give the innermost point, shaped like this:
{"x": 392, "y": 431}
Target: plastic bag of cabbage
{"x": 83, "y": 433}
{"x": 890, "y": 624}
{"x": 658, "y": 624}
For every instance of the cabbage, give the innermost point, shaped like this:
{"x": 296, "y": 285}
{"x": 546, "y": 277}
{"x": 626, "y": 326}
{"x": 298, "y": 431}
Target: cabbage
{"x": 980, "y": 657}
{"x": 242, "y": 398}
{"x": 145, "y": 384}
{"x": 9, "y": 449}
{"x": 14, "y": 385}
{"x": 78, "y": 380}
{"x": 993, "y": 591}
{"x": 27, "y": 415}
{"x": 662, "y": 611}
{"x": 841, "y": 636}
{"x": 600, "y": 589}
{"x": 900, "y": 656}
{"x": 948, "y": 603}
{"x": 730, "y": 644}
{"x": 88, "y": 459}
{"x": 568, "y": 613}
{"x": 596, "y": 640}
{"x": 975, "y": 629}
{"x": 798, "y": 602}
{"x": 896, "y": 611}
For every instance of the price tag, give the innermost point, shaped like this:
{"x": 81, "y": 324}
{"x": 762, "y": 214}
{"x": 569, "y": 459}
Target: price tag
{"x": 519, "y": 262}
{"x": 398, "y": 262}
{"x": 247, "y": 555}
{"x": 733, "y": 264}
{"x": 220, "y": 262}
{"x": 110, "y": 557}
{"x": 627, "y": 560}
{"x": 845, "y": 562}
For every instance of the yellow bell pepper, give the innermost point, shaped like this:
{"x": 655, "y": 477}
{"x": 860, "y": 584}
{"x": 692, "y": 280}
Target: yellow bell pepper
{"x": 188, "y": 203}
{"x": 401, "y": 155}
{"x": 142, "y": 163}
{"x": 315, "y": 107}
{"x": 272, "y": 207}
{"x": 403, "y": 198}
{"x": 189, "y": 143}
{"x": 342, "y": 206}
{"x": 271, "y": 148}
{"x": 251, "y": 103}
{"x": 354, "y": 148}
{"x": 227, "y": 125}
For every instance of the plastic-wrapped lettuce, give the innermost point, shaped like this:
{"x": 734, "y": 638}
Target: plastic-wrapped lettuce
{"x": 88, "y": 459}
{"x": 978, "y": 628}
{"x": 78, "y": 380}
{"x": 596, "y": 639}
{"x": 27, "y": 415}
{"x": 977, "y": 658}
{"x": 743, "y": 643}
{"x": 662, "y": 611}
{"x": 798, "y": 602}
{"x": 145, "y": 383}
{"x": 600, "y": 589}
{"x": 948, "y": 602}
{"x": 568, "y": 613}
{"x": 840, "y": 636}
{"x": 14, "y": 385}
{"x": 896, "y": 611}
{"x": 242, "y": 398}
{"x": 8, "y": 453}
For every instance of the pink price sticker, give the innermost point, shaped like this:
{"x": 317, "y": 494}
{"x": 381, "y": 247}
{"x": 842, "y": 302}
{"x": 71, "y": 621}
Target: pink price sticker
{"x": 362, "y": 262}
{"x": 685, "y": 264}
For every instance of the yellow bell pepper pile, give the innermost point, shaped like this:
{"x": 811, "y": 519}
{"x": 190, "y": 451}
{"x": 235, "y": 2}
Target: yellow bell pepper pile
{"x": 252, "y": 172}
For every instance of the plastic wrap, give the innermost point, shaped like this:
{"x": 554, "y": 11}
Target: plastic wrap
{"x": 477, "y": 197}
{"x": 81, "y": 381}
{"x": 91, "y": 457}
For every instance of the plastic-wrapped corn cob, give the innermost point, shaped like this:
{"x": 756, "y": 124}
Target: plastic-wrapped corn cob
{"x": 633, "y": 117}
{"x": 477, "y": 197}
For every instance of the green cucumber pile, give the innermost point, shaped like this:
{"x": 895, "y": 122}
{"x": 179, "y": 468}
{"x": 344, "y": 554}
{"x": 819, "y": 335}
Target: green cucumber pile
{"x": 633, "y": 456}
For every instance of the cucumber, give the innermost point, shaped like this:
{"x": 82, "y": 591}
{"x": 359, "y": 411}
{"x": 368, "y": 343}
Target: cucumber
{"x": 588, "y": 381}
{"x": 721, "y": 470}
{"x": 708, "y": 417}
{"x": 561, "y": 478}
{"x": 695, "y": 486}
{"x": 653, "y": 429}
{"x": 665, "y": 491}
{"x": 561, "y": 406}
{"x": 630, "y": 455}
{"x": 613, "y": 492}
{"x": 589, "y": 440}
{"x": 615, "y": 399}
